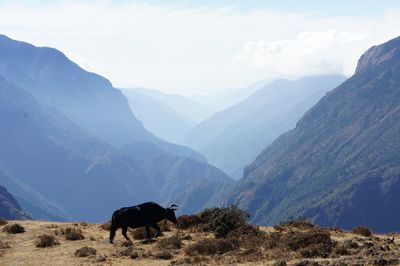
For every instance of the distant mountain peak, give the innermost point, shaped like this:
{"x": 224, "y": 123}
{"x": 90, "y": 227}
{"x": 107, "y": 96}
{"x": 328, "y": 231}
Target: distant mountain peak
{"x": 379, "y": 54}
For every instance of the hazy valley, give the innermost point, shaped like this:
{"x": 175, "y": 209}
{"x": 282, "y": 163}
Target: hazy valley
{"x": 293, "y": 168}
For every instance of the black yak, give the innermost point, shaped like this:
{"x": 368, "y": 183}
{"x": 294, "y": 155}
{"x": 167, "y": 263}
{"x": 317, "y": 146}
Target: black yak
{"x": 146, "y": 214}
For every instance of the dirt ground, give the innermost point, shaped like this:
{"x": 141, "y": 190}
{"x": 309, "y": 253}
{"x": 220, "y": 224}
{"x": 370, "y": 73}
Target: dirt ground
{"x": 21, "y": 249}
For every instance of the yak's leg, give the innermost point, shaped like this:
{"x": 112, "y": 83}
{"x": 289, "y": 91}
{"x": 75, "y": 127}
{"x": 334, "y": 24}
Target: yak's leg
{"x": 124, "y": 230}
{"x": 148, "y": 232}
{"x": 155, "y": 226}
{"x": 112, "y": 233}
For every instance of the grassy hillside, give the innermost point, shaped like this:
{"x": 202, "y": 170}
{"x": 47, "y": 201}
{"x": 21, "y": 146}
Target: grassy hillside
{"x": 293, "y": 243}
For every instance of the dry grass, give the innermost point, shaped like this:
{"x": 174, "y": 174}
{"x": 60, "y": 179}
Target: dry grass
{"x": 292, "y": 244}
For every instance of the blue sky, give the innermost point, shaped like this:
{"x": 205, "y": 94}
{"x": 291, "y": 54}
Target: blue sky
{"x": 322, "y": 7}
{"x": 199, "y": 47}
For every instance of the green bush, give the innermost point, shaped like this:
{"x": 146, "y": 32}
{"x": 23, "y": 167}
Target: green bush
{"x": 221, "y": 221}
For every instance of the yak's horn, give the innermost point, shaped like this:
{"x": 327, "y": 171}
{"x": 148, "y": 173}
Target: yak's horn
{"x": 174, "y": 207}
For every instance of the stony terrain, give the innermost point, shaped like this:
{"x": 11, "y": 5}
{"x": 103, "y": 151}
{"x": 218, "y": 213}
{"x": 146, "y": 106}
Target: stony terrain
{"x": 293, "y": 243}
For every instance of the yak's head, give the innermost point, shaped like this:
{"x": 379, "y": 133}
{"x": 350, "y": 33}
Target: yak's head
{"x": 171, "y": 213}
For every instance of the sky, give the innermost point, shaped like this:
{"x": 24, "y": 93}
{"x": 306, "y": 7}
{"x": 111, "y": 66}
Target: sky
{"x": 201, "y": 47}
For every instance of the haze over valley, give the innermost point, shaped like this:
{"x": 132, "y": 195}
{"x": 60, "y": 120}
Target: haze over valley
{"x": 201, "y": 109}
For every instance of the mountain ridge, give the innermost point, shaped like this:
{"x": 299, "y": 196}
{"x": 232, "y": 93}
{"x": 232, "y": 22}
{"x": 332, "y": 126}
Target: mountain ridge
{"x": 339, "y": 165}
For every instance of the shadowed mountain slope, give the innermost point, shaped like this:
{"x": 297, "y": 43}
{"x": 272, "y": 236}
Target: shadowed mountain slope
{"x": 58, "y": 171}
{"x": 232, "y": 138}
{"x": 340, "y": 165}
{"x": 9, "y": 207}
{"x": 87, "y": 99}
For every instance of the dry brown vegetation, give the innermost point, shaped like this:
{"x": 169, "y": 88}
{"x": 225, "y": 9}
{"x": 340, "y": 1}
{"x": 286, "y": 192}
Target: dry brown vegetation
{"x": 195, "y": 242}
{"x": 71, "y": 233}
{"x": 85, "y": 252}
{"x": 362, "y": 230}
{"x": 45, "y": 241}
{"x": 2, "y": 222}
{"x": 14, "y": 228}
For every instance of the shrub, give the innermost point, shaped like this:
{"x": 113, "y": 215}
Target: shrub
{"x": 246, "y": 230}
{"x": 173, "y": 242}
{"x": 162, "y": 255}
{"x": 362, "y": 230}
{"x": 83, "y": 223}
{"x": 315, "y": 250}
{"x": 301, "y": 223}
{"x": 73, "y": 234}
{"x": 273, "y": 240}
{"x": 341, "y": 250}
{"x": 280, "y": 263}
{"x": 4, "y": 245}
{"x": 2, "y": 222}
{"x": 187, "y": 221}
{"x": 211, "y": 246}
{"x": 106, "y": 226}
{"x": 298, "y": 240}
{"x": 140, "y": 233}
{"x": 13, "y": 229}
{"x": 52, "y": 226}
{"x": 127, "y": 243}
{"x": 85, "y": 252}
{"x": 165, "y": 226}
{"x": 249, "y": 236}
{"x": 312, "y": 243}
{"x": 192, "y": 260}
{"x": 221, "y": 221}
{"x": 134, "y": 255}
{"x": 127, "y": 251}
{"x": 45, "y": 241}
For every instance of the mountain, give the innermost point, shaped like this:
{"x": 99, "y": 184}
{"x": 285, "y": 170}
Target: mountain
{"x": 340, "y": 165}
{"x": 226, "y": 98}
{"x": 50, "y": 162}
{"x": 232, "y": 138}
{"x": 87, "y": 99}
{"x": 158, "y": 117}
{"x": 186, "y": 182}
{"x": 59, "y": 172}
{"x": 190, "y": 110}
{"x": 9, "y": 207}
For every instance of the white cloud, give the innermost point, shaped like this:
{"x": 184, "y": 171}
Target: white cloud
{"x": 326, "y": 52}
{"x": 196, "y": 50}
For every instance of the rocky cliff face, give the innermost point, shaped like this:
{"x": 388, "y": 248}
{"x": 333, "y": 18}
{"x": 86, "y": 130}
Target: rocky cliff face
{"x": 340, "y": 165}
